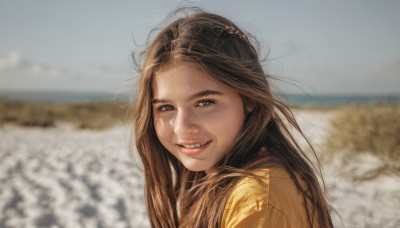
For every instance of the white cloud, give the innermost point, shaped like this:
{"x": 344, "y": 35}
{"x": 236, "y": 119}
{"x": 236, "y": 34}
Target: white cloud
{"x": 16, "y": 64}
{"x": 17, "y": 72}
{"x": 14, "y": 60}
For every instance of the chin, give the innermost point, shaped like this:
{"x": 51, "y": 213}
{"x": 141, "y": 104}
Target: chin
{"x": 196, "y": 167}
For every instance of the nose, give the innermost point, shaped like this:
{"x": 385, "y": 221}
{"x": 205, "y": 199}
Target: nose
{"x": 185, "y": 123}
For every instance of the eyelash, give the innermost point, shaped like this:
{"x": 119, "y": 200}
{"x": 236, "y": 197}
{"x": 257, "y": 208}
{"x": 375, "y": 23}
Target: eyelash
{"x": 205, "y": 103}
{"x": 208, "y": 101}
{"x": 163, "y": 108}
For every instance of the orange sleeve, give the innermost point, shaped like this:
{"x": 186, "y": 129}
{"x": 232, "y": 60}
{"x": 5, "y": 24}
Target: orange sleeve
{"x": 267, "y": 216}
{"x": 272, "y": 202}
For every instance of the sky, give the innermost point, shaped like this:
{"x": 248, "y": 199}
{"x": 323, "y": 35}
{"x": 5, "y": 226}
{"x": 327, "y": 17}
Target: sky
{"x": 316, "y": 47}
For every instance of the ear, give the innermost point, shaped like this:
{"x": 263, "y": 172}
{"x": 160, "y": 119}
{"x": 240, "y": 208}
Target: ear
{"x": 249, "y": 108}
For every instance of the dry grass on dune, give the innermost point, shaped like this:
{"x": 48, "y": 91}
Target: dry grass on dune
{"x": 374, "y": 129}
{"x": 90, "y": 115}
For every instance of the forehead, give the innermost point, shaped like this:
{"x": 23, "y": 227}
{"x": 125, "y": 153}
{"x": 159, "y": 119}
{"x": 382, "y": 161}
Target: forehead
{"x": 183, "y": 79}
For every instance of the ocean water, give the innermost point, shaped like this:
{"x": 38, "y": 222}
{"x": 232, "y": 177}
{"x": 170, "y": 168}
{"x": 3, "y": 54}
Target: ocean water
{"x": 309, "y": 100}
{"x": 297, "y": 100}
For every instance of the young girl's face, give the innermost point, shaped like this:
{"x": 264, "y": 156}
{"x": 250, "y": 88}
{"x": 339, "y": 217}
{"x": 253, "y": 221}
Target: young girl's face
{"x": 196, "y": 118}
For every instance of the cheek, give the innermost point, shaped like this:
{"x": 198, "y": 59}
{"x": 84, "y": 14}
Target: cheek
{"x": 226, "y": 123}
{"x": 162, "y": 129}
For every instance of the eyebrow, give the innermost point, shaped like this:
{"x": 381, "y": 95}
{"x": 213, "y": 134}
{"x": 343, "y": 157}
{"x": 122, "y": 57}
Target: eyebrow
{"x": 191, "y": 97}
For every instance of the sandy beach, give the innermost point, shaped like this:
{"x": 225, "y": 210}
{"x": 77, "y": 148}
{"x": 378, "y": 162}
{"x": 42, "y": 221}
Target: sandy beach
{"x": 63, "y": 177}
{"x": 360, "y": 204}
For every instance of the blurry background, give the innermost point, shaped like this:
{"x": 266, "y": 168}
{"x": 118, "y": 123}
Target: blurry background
{"x": 67, "y": 77}
{"x": 329, "y": 48}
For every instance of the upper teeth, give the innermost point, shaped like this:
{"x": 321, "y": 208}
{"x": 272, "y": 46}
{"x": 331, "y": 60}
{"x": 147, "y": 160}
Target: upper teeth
{"x": 191, "y": 146}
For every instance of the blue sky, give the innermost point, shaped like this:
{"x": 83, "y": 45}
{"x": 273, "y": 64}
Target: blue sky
{"x": 323, "y": 47}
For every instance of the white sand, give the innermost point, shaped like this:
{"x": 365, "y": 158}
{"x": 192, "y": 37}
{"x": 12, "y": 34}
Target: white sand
{"x": 68, "y": 178}
{"x": 369, "y": 203}
{"x": 62, "y": 177}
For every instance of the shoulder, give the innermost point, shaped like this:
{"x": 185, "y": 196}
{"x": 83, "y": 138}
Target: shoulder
{"x": 270, "y": 199}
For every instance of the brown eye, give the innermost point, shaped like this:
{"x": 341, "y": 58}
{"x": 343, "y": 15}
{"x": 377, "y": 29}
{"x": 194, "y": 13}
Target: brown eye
{"x": 165, "y": 108}
{"x": 204, "y": 103}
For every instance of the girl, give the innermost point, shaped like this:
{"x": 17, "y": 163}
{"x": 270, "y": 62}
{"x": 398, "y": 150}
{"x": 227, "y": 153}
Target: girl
{"x": 215, "y": 144}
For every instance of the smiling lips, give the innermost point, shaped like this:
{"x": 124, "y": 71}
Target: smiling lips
{"x": 193, "y": 148}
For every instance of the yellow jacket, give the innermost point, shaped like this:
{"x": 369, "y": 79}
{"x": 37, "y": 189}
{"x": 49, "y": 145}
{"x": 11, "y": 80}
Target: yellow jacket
{"x": 274, "y": 202}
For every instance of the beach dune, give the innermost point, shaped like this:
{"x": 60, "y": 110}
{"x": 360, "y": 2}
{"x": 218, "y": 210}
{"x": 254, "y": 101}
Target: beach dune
{"x": 64, "y": 177}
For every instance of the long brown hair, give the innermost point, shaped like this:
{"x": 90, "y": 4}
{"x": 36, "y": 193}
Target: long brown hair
{"x": 176, "y": 196}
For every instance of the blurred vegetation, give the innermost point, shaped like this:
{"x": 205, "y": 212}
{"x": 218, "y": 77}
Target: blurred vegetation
{"x": 317, "y": 107}
{"x": 90, "y": 115}
{"x": 373, "y": 129}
